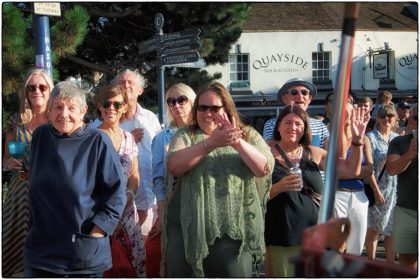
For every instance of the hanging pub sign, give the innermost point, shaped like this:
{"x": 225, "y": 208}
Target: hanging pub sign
{"x": 380, "y": 66}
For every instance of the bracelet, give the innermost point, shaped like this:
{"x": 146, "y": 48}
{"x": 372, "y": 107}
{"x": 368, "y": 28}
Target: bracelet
{"x": 130, "y": 192}
{"x": 357, "y": 144}
{"x": 206, "y": 146}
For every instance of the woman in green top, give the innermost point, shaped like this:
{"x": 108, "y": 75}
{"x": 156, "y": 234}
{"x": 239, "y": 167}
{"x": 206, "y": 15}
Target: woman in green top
{"x": 215, "y": 217}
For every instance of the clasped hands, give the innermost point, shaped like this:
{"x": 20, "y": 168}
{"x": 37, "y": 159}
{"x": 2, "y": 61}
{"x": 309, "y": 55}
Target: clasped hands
{"x": 226, "y": 133}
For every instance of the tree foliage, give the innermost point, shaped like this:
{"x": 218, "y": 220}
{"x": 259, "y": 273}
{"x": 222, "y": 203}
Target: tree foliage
{"x": 18, "y": 52}
{"x": 96, "y": 39}
{"x": 116, "y": 29}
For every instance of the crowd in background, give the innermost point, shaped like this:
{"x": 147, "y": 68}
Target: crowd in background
{"x": 206, "y": 196}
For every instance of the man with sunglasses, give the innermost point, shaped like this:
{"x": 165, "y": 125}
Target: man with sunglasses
{"x": 299, "y": 93}
{"x": 402, "y": 160}
{"x": 144, "y": 125}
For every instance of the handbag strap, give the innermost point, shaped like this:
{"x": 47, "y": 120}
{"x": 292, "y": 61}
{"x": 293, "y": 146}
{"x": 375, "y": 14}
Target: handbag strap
{"x": 284, "y": 156}
{"x": 382, "y": 173}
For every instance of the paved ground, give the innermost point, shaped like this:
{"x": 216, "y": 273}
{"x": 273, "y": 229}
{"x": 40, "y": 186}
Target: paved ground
{"x": 380, "y": 255}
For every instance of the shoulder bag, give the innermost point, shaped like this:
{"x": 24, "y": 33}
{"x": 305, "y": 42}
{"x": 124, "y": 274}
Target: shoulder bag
{"x": 368, "y": 190}
{"x": 316, "y": 197}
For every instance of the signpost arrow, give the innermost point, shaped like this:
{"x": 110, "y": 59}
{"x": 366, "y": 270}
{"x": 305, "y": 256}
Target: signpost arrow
{"x": 148, "y": 45}
{"x": 179, "y": 42}
{"x": 180, "y": 58}
{"x": 179, "y": 49}
{"x": 181, "y": 34}
{"x": 200, "y": 63}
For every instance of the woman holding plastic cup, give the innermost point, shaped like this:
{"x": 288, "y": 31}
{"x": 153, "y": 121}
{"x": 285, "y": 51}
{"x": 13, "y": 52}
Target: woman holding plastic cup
{"x": 290, "y": 208}
{"x": 32, "y": 114}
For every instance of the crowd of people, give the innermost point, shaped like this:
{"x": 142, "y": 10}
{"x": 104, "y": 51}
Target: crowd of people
{"x": 207, "y": 195}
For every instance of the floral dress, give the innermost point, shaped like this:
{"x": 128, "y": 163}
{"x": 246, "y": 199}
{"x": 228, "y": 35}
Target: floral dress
{"x": 128, "y": 151}
{"x": 380, "y": 216}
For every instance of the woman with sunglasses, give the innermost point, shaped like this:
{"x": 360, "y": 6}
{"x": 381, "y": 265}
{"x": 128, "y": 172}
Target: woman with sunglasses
{"x": 385, "y": 191}
{"x": 76, "y": 192}
{"x": 111, "y": 107}
{"x": 291, "y": 209}
{"x": 179, "y": 102}
{"x": 32, "y": 113}
{"x": 214, "y": 219}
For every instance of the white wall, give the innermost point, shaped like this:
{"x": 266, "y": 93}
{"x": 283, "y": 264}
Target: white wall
{"x": 274, "y": 47}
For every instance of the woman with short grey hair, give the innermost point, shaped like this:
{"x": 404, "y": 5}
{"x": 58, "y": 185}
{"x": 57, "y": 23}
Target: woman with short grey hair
{"x": 76, "y": 193}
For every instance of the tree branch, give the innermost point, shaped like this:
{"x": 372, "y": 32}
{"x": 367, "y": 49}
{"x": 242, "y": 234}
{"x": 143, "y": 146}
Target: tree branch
{"x": 90, "y": 65}
{"x": 103, "y": 13}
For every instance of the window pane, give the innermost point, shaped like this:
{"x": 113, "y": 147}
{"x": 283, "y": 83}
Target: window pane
{"x": 239, "y": 67}
{"x": 233, "y": 67}
{"x": 313, "y": 56}
{"x": 232, "y": 76}
{"x": 245, "y": 66}
{"x": 232, "y": 58}
{"x": 326, "y": 64}
{"x": 327, "y": 56}
{"x": 314, "y": 74}
{"x": 245, "y": 76}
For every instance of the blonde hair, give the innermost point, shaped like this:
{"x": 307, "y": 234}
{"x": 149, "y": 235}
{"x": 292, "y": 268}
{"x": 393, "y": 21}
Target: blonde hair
{"x": 384, "y": 96}
{"x": 181, "y": 89}
{"x": 25, "y": 110}
{"x": 387, "y": 109}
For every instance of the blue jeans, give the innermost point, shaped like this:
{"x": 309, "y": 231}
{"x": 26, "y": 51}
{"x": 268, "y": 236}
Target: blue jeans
{"x": 30, "y": 272}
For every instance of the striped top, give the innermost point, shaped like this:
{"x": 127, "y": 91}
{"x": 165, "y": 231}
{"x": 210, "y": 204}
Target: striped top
{"x": 318, "y": 130}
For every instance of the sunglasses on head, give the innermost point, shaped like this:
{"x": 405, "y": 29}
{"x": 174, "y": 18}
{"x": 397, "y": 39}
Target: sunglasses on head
{"x": 304, "y": 92}
{"x": 32, "y": 88}
{"x": 389, "y": 116}
{"x": 181, "y": 100}
{"x": 107, "y": 104}
{"x": 213, "y": 109}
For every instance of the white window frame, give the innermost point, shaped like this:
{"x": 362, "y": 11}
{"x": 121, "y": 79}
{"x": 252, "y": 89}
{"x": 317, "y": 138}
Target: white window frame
{"x": 321, "y": 67}
{"x": 238, "y": 69}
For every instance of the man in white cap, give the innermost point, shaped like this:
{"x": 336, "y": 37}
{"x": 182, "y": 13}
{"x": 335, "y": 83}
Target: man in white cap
{"x": 300, "y": 93}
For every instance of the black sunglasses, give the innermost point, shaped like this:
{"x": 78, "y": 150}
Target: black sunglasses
{"x": 107, "y": 104}
{"x": 389, "y": 116}
{"x": 32, "y": 88}
{"x": 213, "y": 109}
{"x": 304, "y": 92}
{"x": 181, "y": 100}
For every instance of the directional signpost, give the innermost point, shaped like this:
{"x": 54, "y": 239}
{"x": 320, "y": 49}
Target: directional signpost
{"x": 177, "y": 49}
{"x": 200, "y": 63}
{"x": 179, "y": 58}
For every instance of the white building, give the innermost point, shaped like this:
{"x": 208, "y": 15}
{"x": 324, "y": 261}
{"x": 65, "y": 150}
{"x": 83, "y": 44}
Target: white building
{"x": 286, "y": 40}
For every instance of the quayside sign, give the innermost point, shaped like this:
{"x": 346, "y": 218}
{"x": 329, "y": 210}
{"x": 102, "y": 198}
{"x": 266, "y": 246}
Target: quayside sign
{"x": 282, "y": 58}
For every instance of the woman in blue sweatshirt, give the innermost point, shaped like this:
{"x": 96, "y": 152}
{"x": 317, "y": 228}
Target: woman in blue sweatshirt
{"x": 76, "y": 195}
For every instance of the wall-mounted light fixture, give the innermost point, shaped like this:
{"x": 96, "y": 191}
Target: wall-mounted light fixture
{"x": 370, "y": 57}
{"x": 386, "y": 44}
{"x": 238, "y": 48}
{"x": 320, "y": 47}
